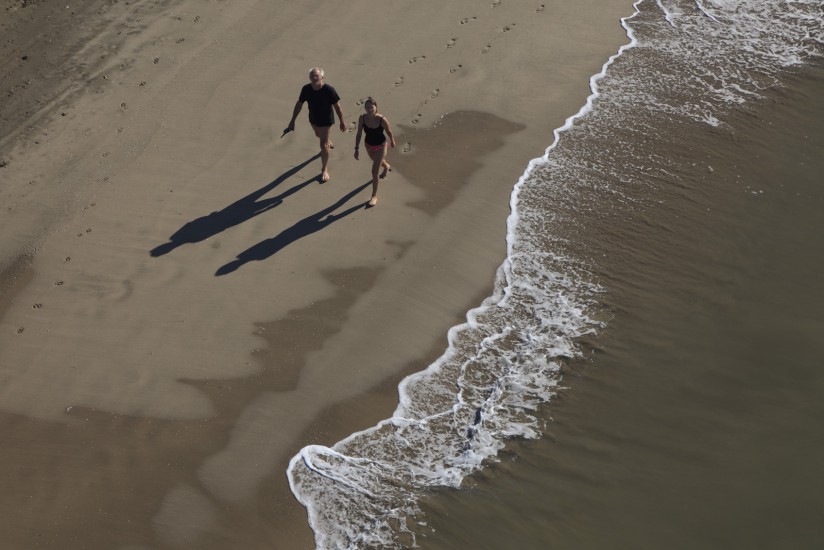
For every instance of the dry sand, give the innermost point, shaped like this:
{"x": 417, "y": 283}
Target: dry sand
{"x": 184, "y": 304}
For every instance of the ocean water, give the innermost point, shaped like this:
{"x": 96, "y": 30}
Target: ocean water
{"x": 648, "y": 369}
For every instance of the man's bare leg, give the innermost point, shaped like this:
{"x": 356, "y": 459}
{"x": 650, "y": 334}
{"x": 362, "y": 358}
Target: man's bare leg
{"x": 323, "y": 135}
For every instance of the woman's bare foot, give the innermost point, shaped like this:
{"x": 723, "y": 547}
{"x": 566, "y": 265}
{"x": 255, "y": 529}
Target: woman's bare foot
{"x": 324, "y": 177}
{"x": 386, "y": 168}
{"x": 373, "y": 201}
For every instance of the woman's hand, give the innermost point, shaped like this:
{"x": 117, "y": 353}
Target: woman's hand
{"x": 356, "y": 154}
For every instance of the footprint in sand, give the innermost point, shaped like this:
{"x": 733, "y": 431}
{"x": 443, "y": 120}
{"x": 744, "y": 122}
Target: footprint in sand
{"x": 540, "y": 8}
{"x": 360, "y": 102}
{"x": 417, "y": 118}
{"x": 507, "y": 28}
{"x": 486, "y": 48}
{"x": 456, "y": 68}
{"x": 37, "y": 306}
{"x": 407, "y": 147}
{"x": 58, "y": 283}
{"x": 399, "y": 82}
{"x": 179, "y": 40}
{"x": 451, "y": 43}
{"x": 496, "y": 3}
{"x": 20, "y": 330}
{"x": 416, "y": 58}
{"x": 466, "y": 20}
{"x": 197, "y": 19}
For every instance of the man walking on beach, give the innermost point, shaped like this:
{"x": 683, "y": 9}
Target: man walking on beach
{"x": 322, "y": 99}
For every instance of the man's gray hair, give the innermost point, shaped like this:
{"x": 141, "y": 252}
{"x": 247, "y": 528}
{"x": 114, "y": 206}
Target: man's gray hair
{"x": 316, "y": 70}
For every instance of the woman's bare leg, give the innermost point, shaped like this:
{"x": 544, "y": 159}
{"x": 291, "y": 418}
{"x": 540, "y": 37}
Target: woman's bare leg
{"x": 386, "y": 167}
{"x": 377, "y": 161}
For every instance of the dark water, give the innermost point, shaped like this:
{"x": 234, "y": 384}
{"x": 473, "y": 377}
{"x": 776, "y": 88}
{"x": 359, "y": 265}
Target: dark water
{"x": 695, "y": 418}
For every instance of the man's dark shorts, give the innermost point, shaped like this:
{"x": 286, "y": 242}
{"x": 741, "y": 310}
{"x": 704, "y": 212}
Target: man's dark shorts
{"x": 322, "y": 123}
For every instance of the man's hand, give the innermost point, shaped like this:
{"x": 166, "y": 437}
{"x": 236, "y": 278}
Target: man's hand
{"x": 342, "y": 126}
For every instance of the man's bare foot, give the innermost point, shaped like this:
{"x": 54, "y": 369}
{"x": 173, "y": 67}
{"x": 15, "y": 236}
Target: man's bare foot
{"x": 386, "y": 168}
{"x": 324, "y": 177}
{"x": 373, "y": 201}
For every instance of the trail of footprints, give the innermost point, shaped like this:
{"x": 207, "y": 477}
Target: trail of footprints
{"x": 59, "y": 282}
{"x": 155, "y": 61}
{"x": 451, "y": 43}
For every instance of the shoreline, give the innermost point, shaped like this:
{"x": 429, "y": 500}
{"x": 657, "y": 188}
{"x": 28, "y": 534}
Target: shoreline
{"x": 167, "y": 321}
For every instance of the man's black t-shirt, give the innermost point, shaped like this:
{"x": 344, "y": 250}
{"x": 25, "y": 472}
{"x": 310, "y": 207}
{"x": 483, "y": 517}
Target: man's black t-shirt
{"x": 320, "y": 104}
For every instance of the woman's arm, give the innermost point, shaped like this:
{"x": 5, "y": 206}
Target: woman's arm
{"x": 385, "y": 123}
{"x": 358, "y": 136}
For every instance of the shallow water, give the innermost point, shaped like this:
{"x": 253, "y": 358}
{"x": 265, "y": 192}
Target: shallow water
{"x": 695, "y": 419}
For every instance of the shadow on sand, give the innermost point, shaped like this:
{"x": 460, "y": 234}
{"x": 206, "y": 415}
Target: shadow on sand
{"x": 236, "y": 213}
{"x": 306, "y": 226}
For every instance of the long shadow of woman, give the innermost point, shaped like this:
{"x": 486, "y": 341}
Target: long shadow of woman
{"x": 306, "y": 226}
{"x": 236, "y": 213}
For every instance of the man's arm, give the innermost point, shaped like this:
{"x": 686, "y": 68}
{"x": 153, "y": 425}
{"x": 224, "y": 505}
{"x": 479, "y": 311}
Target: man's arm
{"x": 340, "y": 116}
{"x": 295, "y": 113}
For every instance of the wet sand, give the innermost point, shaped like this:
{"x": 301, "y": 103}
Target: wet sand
{"x": 179, "y": 318}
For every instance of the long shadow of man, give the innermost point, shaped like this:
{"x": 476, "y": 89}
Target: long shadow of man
{"x": 306, "y": 226}
{"x": 236, "y": 213}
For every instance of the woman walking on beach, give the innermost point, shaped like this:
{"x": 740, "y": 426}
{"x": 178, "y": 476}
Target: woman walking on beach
{"x": 373, "y": 124}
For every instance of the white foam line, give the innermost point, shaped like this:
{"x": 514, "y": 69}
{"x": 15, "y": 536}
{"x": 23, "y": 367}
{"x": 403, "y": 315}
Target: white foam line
{"x": 568, "y": 124}
{"x": 501, "y": 298}
{"x": 667, "y": 14}
{"x": 700, "y": 5}
{"x": 306, "y": 456}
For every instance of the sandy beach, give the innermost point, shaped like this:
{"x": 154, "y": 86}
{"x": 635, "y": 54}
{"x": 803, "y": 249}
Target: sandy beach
{"x": 184, "y": 305}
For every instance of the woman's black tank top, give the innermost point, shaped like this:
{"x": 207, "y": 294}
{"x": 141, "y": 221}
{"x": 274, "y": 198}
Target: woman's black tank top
{"x": 374, "y": 136}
